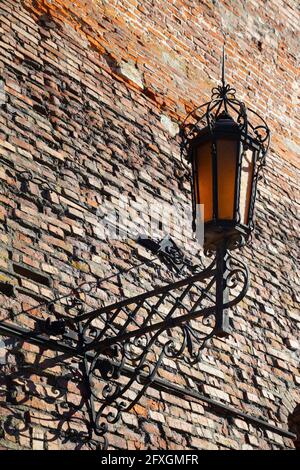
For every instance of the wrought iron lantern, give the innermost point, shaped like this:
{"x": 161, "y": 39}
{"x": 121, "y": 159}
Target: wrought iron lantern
{"x": 226, "y": 151}
{"x": 124, "y": 342}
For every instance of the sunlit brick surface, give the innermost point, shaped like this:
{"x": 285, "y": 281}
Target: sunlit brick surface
{"x": 91, "y": 96}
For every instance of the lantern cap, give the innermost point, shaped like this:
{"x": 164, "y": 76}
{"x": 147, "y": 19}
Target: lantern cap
{"x": 224, "y": 125}
{"x": 224, "y": 106}
{"x": 224, "y": 115}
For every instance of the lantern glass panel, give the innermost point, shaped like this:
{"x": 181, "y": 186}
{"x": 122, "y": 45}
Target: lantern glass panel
{"x": 247, "y": 171}
{"x": 227, "y": 154}
{"x": 204, "y": 178}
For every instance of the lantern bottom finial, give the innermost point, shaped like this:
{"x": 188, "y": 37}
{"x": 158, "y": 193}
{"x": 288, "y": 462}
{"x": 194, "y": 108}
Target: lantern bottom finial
{"x": 233, "y": 235}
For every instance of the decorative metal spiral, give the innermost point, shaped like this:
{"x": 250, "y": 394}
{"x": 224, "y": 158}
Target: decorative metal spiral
{"x": 137, "y": 360}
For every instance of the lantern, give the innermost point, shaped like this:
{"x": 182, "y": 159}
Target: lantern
{"x": 226, "y": 153}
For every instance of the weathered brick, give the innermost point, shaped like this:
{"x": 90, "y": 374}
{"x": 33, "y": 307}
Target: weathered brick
{"x": 91, "y": 99}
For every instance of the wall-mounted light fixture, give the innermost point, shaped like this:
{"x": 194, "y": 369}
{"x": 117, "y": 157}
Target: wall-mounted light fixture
{"x": 226, "y": 151}
{"x": 124, "y": 343}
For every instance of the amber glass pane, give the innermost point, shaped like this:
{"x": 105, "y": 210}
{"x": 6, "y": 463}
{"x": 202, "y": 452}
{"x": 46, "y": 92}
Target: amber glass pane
{"x": 246, "y": 185}
{"x": 203, "y": 183}
{"x": 226, "y": 162}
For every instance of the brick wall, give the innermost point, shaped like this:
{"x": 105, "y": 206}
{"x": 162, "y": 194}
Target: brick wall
{"x": 91, "y": 95}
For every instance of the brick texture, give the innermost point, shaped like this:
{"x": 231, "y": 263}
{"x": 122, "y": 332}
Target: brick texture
{"x": 91, "y": 96}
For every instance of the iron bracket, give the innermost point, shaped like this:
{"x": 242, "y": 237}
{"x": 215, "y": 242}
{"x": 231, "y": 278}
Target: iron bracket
{"x": 140, "y": 332}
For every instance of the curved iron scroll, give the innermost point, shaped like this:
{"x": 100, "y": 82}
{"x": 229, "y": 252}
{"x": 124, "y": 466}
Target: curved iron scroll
{"x": 131, "y": 340}
{"x": 128, "y": 344}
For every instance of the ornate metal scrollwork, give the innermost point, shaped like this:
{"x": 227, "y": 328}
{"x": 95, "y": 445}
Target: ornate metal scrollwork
{"x": 126, "y": 344}
{"x": 223, "y": 99}
{"x": 130, "y": 340}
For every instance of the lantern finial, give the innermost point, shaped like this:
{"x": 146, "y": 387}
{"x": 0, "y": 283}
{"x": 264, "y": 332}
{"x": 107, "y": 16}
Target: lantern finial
{"x": 223, "y": 65}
